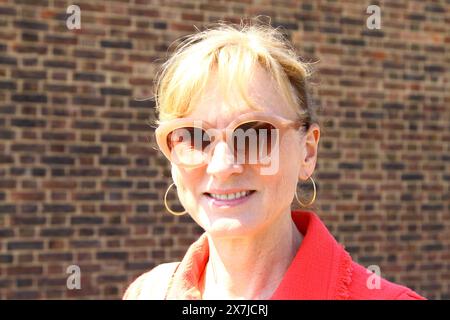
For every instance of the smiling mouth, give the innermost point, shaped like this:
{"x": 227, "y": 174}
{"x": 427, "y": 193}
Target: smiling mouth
{"x": 230, "y": 196}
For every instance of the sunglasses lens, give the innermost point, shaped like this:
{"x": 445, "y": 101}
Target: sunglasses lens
{"x": 253, "y": 141}
{"x": 187, "y": 145}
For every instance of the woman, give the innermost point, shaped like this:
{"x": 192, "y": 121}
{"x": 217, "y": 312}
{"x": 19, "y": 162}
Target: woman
{"x": 236, "y": 125}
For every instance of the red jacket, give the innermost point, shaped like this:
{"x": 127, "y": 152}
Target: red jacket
{"x": 321, "y": 269}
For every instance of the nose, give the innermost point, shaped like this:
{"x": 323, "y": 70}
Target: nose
{"x": 221, "y": 164}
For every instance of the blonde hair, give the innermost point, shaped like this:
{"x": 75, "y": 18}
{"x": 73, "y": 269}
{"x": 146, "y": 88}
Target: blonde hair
{"x": 232, "y": 51}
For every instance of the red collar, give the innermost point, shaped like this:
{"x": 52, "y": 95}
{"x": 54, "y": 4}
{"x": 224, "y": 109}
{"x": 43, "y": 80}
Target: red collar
{"x": 321, "y": 269}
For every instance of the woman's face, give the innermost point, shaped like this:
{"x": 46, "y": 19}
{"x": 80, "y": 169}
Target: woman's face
{"x": 272, "y": 194}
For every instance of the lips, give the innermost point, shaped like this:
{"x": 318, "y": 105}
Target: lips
{"x": 226, "y": 200}
{"x": 230, "y": 195}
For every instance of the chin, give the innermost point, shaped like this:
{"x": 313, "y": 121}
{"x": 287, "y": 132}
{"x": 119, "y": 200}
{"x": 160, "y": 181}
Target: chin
{"x": 229, "y": 226}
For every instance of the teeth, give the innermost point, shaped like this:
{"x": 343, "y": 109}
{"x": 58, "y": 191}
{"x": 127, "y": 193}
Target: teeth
{"x": 230, "y": 196}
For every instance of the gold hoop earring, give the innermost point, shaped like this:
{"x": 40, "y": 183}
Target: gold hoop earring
{"x": 313, "y": 198}
{"x": 167, "y": 207}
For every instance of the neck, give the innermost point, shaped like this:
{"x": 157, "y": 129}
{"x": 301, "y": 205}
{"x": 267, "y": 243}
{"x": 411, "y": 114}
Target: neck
{"x": 238, "y": 267}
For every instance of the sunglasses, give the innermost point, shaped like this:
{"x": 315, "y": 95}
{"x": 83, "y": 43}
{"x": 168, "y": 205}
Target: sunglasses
{"x": 253, "y": 138}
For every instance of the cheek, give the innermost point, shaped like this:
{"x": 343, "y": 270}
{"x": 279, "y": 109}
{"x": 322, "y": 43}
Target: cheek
{"x": 283, "y": 183}
{"x": 187, "y": 181}
{"x": 289, "y": 156}
{"x": 279, "y": 187}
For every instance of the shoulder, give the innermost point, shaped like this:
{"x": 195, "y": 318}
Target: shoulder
{"x": 151, "y": 285}
{"x": 366, "y": 285}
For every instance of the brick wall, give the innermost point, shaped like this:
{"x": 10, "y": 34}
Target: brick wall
{"x": 81, "y": 185}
